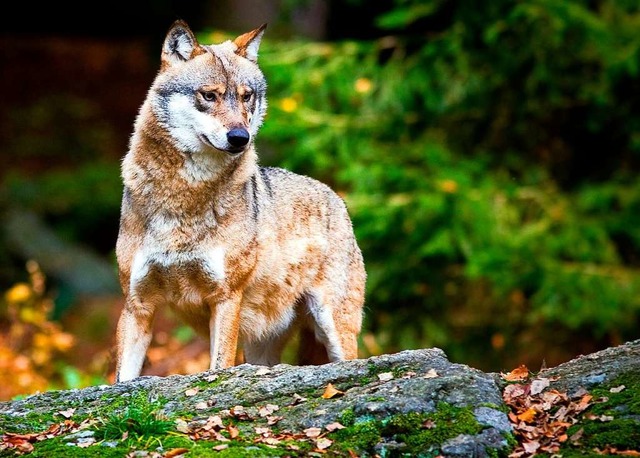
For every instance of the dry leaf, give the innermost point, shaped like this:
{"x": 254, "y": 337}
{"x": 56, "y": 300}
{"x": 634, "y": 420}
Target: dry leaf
{"x": 68, "y": 413}
{"x": 331, "y": 391}
{"x": 617, "y": 389}
{"x": 312, "y": 432}
{"x": 517, "y": 374}
{"x": 192, "y": 391}
{"x": 334, "y": 426}
{"x": 263, "y": 431}
{"x": 273, "y": 419}
{"x": 211, "y": 378}
{"x": 201, "y": 405}
{"x": 86, "y": 442}
{"x": 512, "y": 391}
{"x": 538, "y": 385}
{"x": 263, "y": 371}
{"x": 213, "y": 422}
{"x": 182, "y": 426}
{"x": 531, "y": 446}
{"x": 428, "y": 424}
{"x": 385, "y": 376}
{"x": 528, "y": 415}
{"x": 323, "y": 443}
{"x": 297, "y": 399}
{"x": 270, "y": 441}
{"x": 431, "y": 373}
{"x": 233, "y": 431}
{"x": 219, "y": 448}
{"x": 267, "y": 410}
{"x": 175, "y": 452}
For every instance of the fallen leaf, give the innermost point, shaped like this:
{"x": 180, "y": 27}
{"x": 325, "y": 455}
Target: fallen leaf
{"x": 431, "y": 373}
{"x": 263, "y": 431}
{"x": 584, "y": 402}
{"x": 267, "y": 410}
{"x": 219, "y": 448}
{"x": 86, "y": 442}
{"x": 263, "y": 371}
{"x": 233, "y": 431}
{"x": 182, "y": 426}
{"x": 270, "y": 441}
{"x": 211, "y": 378}
{"x": 68, "y": 413}
{"x": 617, "y": 389}
{"x": 202, "y": 405}
{"x": 513, "y": 391}
{"x": 273, "y": 419}
{"x": 239, "y": 413}
{"x": 297, "y": 399}
{"x": 577, "y": 435}
{"x": 538, "y": 385}
{"x": 175, "y": 452}
{"x": 531, "y": 446}
{"x": 323, "y": 443}
{"x": 331, "y": 391}
{"x": 192, "y": 391}
{"x": 528, "y": 415}
{"x": 312, "y": 432}
{"x": 334, "y": 426}
{"x": 385, "y": 376}
{"x": 517, "y": 374}
{"x": 428, "y": 424}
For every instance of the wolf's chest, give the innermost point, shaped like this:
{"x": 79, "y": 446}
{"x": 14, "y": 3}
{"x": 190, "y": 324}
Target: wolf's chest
{"x": 180, "y": 262}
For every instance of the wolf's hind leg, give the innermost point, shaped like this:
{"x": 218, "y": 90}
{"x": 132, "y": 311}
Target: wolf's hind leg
{"x": 330, "y": 327}
{"x": 266, "y": 352}
{"x": 310, "y": 351}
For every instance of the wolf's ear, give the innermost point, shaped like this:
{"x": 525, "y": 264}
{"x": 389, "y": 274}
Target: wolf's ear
{"x": 180, "y": 43}
{"x": 249, "y": 43}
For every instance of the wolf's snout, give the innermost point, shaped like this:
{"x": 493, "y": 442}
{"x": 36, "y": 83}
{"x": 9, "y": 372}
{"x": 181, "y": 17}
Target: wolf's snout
{"x": 238, "y": 137}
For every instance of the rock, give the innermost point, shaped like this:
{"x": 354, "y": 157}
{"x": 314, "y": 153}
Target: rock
{"x": 421, "y": 402}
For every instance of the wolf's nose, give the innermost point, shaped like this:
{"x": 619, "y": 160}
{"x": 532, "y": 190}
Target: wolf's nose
{"x": 238, "y": 137}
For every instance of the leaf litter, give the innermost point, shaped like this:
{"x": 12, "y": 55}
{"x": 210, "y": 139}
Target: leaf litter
{"x": 541, "y": 417}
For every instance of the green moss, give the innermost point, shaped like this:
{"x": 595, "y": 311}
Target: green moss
{"x": 205, "y": 384}
{"x": 347, "y": 417}
{"x": 622, "y": 428}
{"x": 362, "y": 436}
{"x": 418, "y": 431}
{"x": 31, "y": 422}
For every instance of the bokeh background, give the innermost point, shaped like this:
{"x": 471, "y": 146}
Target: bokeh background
{"x": 488, "y": 153}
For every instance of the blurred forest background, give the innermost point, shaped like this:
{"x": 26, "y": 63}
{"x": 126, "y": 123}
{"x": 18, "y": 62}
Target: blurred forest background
{"x": 488, "y": 153}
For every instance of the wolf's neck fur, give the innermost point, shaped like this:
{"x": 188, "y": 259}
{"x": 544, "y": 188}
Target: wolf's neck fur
{"x": 179, "y": 182}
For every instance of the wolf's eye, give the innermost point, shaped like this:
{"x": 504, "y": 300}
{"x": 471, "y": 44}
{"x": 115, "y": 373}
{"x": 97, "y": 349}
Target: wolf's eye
{"x": 209, "y": 96}
{"x": 246, "y": 96}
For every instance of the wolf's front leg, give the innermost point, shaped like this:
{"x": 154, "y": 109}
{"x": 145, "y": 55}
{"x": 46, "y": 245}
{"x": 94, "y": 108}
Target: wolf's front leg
{"x": 224, "y": 326}
{"x": 133, "y": 338}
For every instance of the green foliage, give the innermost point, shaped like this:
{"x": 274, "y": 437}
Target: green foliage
{"x": 488, "y": 157}
{"x": 488, "y": 166}
{"x": 141, "y": 418}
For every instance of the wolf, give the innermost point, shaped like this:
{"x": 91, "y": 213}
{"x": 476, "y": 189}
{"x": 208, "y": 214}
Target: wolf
{"x": 246, "y": 255}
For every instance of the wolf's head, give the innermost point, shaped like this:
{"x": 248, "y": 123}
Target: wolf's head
{"x": 209, "y": 97}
